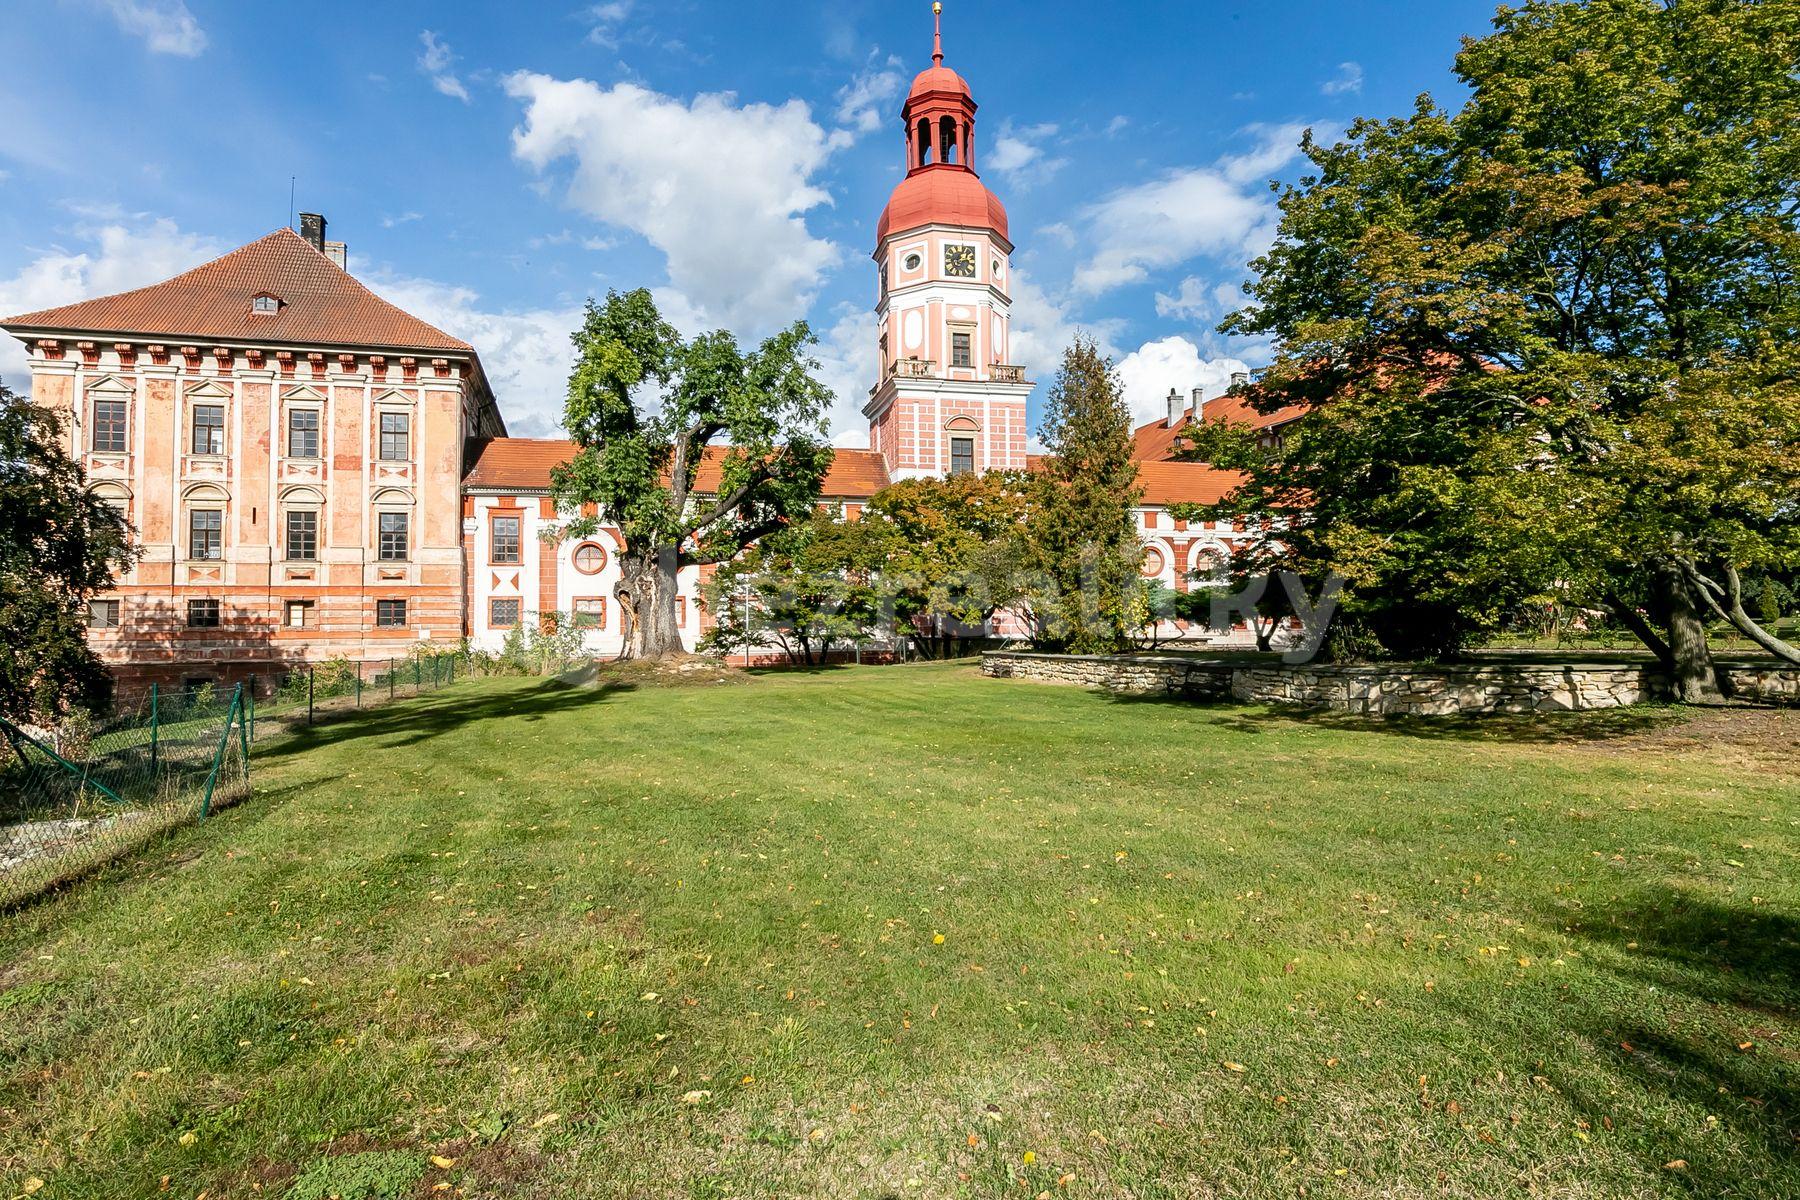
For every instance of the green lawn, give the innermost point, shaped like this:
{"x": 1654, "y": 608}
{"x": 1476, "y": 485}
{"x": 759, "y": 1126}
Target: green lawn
{"x": 898, "y": 932}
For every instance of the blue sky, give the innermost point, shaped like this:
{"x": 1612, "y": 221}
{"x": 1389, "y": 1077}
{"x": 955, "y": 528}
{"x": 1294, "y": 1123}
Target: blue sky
{"x": 490, "y": 165}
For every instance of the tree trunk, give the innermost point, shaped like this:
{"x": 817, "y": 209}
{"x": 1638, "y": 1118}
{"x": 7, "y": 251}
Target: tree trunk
{"x": 1735, "y": 614}
{"x": 1644, "y": 631}
{"x": 1691, "y": 669}
{"x": 648, "y": 590}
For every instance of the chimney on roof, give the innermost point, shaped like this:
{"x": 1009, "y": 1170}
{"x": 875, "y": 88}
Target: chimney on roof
{"x": 1199, "y": 401}
{"x": 312, "y": 228}
{"x": 338, "y": 253}
{"x": 1175, "y": 409}
{"x": 1240, "y": 379}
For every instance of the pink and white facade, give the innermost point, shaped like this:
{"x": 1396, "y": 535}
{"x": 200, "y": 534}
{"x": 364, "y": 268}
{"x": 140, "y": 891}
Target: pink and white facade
{"x": 948, "y": 398}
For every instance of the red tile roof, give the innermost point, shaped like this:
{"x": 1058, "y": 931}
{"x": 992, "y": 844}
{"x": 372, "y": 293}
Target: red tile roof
{"x": 1166, "y": 483}
{"x": 523, "y": 464}
{"x": 1156, "y": 442}
{"x": 321, "y": 305}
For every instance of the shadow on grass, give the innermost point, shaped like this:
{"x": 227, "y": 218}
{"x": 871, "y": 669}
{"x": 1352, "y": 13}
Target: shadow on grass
{"x": 1549, "y": 729}
{"x": 407, "y": 723}
{"x": 1742, "y": 964}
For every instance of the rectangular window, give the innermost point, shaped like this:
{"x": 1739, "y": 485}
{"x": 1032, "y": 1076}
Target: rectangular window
{"x": 590, "y": 613}
{"x": 303, "y": 433}
{"x": 506, "y": 540}
{"x": 299, "y": 614}
{"x": 503, "y": 614}
{"x": 390, "y": 614}
{"x": 302, "y": 536}
{"x": 395, "y": 537}
{"x": 109, "y": 427}
{"x": 209, "y": 429}
{"x": 203, "y": 614}
{"x": 962, "y": 456}
{"x": 103, "y": 614}
{"x": 396, "y": 437}
{"x": 962, "y": 353}
{"x": 681, "y": 611}
{"x": 206, "y": 534}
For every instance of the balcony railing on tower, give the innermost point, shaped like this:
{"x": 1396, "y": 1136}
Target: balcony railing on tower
{"x": 914, "y": 368}
{"x": 1004, "y": 373}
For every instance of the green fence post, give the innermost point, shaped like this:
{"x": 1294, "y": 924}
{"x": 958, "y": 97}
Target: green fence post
{"x": 418, "y": 674}
{"x": 244, "y": 718}
{"x": 155, "y": 737}
{"x": 359, "y": 685}
{"x": 309, "y": 695}
{"x": 390, "y": 679}
{"x": 212, "y": 778}
{"x": 250, "y": 709}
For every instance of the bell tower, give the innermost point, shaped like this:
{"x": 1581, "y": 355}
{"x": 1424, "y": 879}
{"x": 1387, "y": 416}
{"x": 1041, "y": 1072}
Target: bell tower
{"x": 948, "y": 399}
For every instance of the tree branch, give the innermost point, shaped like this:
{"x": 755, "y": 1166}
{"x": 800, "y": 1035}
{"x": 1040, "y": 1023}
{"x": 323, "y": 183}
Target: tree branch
{"x": 1646, "y": 633}
{"x": 1733, "y": 593}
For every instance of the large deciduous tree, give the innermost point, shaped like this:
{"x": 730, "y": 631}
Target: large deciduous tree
{"x": 953, "y": 547}
{"x": 1551, "y": 337}
{"x": 59, "y": 546}
{"x": 645, "y": 409}
{"x": 1078, "y": 538}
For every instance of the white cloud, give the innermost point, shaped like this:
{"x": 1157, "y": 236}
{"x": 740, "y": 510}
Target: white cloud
{"x": 1019, "y": 154}
{"x": 437, "y": 61}
{"x": 404, "y": 218}
{"x": 847, "y": 365}
{"x": 1043, "y": 326}
{"x": 1148, "y": 373}
{"x": 1197, "y": 300}
{"x": 166, "y": 26}
{"x": 1349, "y": 79}
{"x": 865, "y": 104}
{"x": 606, "y": 20}
{"x": 720, "y": 189}
{"x": 121, "y": 253}
{"x": 1219, "y": 210}
{"x": 526, "y": 353}
{"x": 1117, "y": 125}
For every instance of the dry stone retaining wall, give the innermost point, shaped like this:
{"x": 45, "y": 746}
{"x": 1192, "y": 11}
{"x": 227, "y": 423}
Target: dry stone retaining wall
{"x": 1383, "y": 690}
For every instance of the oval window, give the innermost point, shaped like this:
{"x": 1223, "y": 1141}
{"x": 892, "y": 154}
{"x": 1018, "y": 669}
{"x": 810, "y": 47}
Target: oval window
{"x": 1153, "y": 562}
{"x": 590, "y": 558}
{"x": 913, "y": 262}
{"x": 996, "y": 266}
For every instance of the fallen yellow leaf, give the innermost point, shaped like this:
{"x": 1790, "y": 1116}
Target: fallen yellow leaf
{"x": 33, "y": 1184}
{"x": 188, "y": 1138}
{"x": 1231, "y": 1066}
{"x": 546, "y": 1119}
{"x": 442, "y": 1163}
{"x": 695, "y": 1096}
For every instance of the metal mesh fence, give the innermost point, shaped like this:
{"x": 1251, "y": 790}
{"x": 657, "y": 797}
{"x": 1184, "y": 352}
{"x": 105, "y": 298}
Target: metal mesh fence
{"x": 86, "y": 792}
{"x": 318, "y": 692}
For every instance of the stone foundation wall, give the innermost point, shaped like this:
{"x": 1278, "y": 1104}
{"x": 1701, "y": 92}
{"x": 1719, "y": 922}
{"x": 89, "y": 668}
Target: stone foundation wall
{"x": 1385, "y": 690}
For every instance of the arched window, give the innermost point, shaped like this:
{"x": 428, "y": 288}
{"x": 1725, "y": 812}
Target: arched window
{"x": 1152, "y": 566}
{"x": 205, "y": 507}
{"x": 924, "y": 140}
{"x": 302, "y": 524}
{"x": 947, "y": 139}
{"x": 393, "y": 525}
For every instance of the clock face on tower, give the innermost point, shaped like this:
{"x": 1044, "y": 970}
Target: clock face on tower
{"x": 959, "y": 261}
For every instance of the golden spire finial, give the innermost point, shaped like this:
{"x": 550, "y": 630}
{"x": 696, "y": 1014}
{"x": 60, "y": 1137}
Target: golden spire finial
{"x": 937, "y": 35}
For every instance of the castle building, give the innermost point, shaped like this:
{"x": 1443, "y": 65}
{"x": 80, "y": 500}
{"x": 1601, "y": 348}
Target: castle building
{"x": 313, "y": 473}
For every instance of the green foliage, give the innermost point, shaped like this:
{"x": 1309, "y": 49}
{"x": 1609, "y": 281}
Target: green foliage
{"x": 810, "y": 584}
{"x": 370, "y": 1175}
{"x": 645, "y": 406}
{"x": 59, "y": 547}
{"x": 952, "y": 548}
{"x": 1552, "y": 338}
{"x": 1077, "y": 535}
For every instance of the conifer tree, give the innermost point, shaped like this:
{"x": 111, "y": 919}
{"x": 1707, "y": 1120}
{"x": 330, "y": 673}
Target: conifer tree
{"x": 1078, "y": 537}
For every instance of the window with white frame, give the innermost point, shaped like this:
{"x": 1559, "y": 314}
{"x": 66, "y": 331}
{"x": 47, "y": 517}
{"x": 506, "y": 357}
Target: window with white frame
{"x": 396, "y": 437}
{"x": 394, "y": 536}
{"x": 303, "y": 433}
{"x": 108, "y": 434}
{"x": 207, "y": 429}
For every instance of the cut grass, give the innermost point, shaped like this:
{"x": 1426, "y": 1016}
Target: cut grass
{"x": 909, "y": 932}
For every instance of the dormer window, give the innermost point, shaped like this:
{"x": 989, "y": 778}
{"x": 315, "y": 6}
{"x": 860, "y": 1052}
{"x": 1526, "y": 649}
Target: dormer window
{"x": 265, "y": 304}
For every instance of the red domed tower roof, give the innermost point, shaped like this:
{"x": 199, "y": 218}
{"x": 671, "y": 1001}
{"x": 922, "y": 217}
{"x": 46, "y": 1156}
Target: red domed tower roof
{"x": 941, "y": 187}
{"x": 941, "y": 194}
